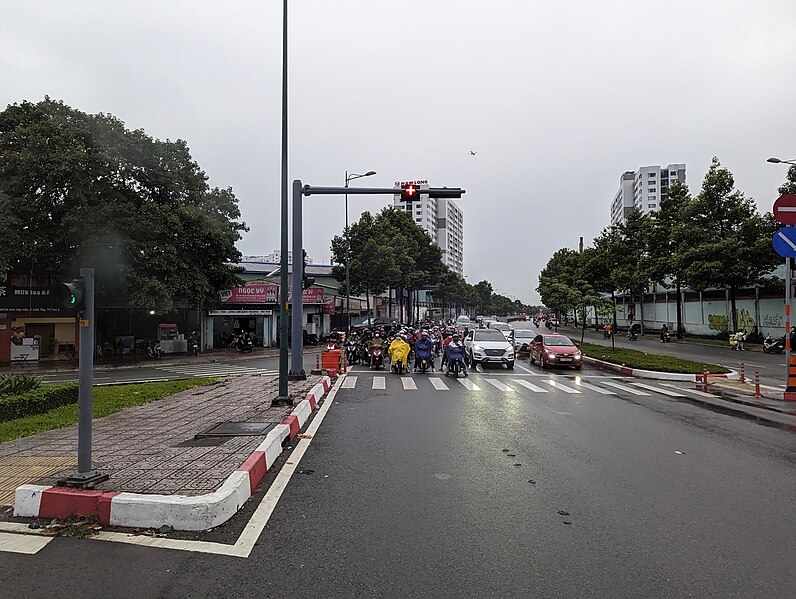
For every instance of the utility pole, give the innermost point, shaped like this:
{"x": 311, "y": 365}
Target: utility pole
{"x": 283, "y": 290}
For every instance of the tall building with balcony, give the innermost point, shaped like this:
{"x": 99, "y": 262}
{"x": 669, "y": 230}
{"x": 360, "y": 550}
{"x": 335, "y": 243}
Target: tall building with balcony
{"x": 644, "y": 189}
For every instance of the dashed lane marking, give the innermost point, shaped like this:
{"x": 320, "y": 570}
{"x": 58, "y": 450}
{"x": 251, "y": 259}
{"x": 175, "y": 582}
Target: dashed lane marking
{"x": 557, "y": 385}
{"x": 530, "y": 386}
{"x": 439, "y": 385}
{"x": 624, "y": 388}
{"x": 408, "y": 384}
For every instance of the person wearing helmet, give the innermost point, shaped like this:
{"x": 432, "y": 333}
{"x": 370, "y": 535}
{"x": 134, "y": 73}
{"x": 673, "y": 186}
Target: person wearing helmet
{"x": 424, "y": 350}
{"x": 455, "y": 351}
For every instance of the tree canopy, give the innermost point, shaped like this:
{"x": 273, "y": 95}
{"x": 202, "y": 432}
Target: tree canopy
{"x": 78, "y": 189}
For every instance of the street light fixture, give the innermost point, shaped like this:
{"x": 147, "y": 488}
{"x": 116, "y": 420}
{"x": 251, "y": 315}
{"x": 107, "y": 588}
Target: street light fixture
{"x": 348, "y": 178}
{"x": 778, "y": 161}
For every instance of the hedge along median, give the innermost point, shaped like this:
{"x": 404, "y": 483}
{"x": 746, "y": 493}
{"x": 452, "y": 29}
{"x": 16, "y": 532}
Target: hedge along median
{"x": 55, "y": 406}
{"x": 633, "y": 358}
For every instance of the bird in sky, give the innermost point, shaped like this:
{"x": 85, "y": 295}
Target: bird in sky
{"x": 473, "y": 153}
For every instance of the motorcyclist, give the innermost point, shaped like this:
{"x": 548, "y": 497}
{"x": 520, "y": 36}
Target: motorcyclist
{"x": 377, "y": 341}
{"x": 455, "y": 351}
{"x": 399, "y": 350}
{"x": 664, "y": 331}
{"x": 424, "y": 349}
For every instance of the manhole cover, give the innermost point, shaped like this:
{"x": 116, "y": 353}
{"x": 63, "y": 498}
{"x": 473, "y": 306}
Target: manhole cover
{"x": 237, "y": 429}
{"x": 203, "y": 442}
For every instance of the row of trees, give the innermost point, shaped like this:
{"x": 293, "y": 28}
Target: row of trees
{"x": 390, "y": 251}
{"x": 716, "y": 239}
{"x": 78, "y": 189}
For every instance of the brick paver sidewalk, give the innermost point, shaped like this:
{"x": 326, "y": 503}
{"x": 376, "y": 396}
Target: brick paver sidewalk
{"x": 138, "y": 446}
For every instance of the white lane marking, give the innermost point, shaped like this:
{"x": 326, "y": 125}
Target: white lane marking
{"x": 469, "y": 385}
{"x": 624, "y": 388}
{"x": 594, "y": 388}
{"x": 379, "y": 382}
{"x": 20, "y": 543}
{"x": 694, "y": 391}
{"x": 438, "y": 384}
{"x": 131, "y": 382}
{"x": 523, "y": 368}
{"x": 530, "y": 386}
{"x": 408, "y": 384}
{"x": 556, "y": 385}
{"x": 498, "y": 385}
{"x": 658, "y": 390}
{"x": 350, "y": 382}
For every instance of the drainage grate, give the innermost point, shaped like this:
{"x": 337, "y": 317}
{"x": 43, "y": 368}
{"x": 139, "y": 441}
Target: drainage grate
{"x": 203, "y": 442}
{"x": 237, "y": 429}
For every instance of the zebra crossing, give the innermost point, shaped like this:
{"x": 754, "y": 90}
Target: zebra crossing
{"x": 211, "y": 369}
{"x": 576, "y": 386}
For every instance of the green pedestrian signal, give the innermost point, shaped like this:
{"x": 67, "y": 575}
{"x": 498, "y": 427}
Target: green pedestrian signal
{"x": 70, "y": 296}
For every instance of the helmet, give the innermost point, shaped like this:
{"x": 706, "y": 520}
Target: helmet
{"x": 425, "y": 334}
{"x": 456, "y": 335}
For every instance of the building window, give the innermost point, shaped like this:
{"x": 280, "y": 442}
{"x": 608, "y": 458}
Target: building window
{"x": 650, "y": 205}
{"x": 651, "y": 174}
{"x": 672, "y": 173}
{"x": 652, "y": 190}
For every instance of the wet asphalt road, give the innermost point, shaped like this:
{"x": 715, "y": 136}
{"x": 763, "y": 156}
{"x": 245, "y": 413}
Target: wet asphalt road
{"x": 412, "y": 495}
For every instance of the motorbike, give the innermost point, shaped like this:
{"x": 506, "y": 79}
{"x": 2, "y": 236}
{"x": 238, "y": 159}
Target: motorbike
{"x": 193, "y": 346}
{"x": 607, "y": 334}
{"x": 154, "y": 350}
{"x": 632, "y": 335}
{"x": 351, "y": 354}
{"x": 666, "y": 337}
{"x": 243, "y": 344}
{"x": 455, "y": 361}
{"x": 376, "y": 358}
{"x": 331, "y": 344}
{"x": 774, "y": 346}
{"x": 400, "y": 357}
{"x": 437, "y": 346}
{"x": 423, "y": 360}
{"x": 310, "y": 338}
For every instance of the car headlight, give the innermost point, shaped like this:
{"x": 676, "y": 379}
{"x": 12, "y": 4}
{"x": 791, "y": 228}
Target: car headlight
{"x": 551, "y": 354}
{"x": 578, "y": 355}
{"x": 510, "y": 353}
{"x": 478, "y": 349}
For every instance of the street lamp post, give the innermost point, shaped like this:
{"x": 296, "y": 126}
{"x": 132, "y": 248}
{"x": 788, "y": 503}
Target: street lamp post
{"x": 348, "y": 178}
{"x": 778, "y": 161}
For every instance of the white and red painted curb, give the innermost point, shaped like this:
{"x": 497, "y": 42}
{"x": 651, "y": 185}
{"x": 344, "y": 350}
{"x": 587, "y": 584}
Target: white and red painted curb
{"x": 654, "y": 374}
{"x": 200, "y": 512}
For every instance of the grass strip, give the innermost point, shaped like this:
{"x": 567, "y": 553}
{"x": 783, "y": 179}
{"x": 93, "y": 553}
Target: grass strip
{"x": 632, "y": 358}
{"x": 107, "y": 400}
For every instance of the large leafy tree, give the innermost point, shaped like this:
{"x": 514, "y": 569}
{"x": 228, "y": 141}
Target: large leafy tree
{"x": 729, "y": 241}
{"x": 789, "y": 186}
{"x": 83, "y": 190}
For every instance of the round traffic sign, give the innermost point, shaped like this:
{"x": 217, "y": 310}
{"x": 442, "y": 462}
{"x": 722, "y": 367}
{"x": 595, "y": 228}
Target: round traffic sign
{"x": 785, "y": 209}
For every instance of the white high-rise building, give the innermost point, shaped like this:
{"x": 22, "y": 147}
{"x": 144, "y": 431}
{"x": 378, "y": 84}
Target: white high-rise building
{"x": 443, "y": 220}
{"x": 644, "y": 189}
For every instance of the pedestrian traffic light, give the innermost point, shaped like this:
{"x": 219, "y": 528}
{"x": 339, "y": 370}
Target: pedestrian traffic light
{"x": 70, "y": 296}
{"x": 409, "y": 192}
{"x": 306, "y": 282}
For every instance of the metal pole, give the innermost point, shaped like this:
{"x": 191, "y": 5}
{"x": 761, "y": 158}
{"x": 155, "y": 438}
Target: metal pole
{"x": 297, "y": 311}
{"x": 283, "y": 328}
{"x": 347, "y": 260}
{"x": 788, "y": 348}
{"x": 86, "y": 395}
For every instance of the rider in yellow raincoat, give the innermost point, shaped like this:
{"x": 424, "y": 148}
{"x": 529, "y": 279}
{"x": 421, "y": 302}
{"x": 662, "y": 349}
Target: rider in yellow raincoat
{"x": 399, "y": 350}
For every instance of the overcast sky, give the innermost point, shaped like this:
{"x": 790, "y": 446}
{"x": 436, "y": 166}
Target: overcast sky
{"x": 556, "y": 98}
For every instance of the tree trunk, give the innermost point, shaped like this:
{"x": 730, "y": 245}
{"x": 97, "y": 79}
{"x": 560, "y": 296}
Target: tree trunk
{"x": 576, "y": 314}
{"x": 733, "y": 309}
{"x": 679, "y": 310}
{"x": 613, "y": 333}
{"x": 583, "y": 323}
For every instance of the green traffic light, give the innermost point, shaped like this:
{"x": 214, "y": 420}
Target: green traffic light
{"x": 72, "y": 300}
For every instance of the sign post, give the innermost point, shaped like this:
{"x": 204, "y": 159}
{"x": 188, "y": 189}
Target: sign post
{"x": 784, "y": 244}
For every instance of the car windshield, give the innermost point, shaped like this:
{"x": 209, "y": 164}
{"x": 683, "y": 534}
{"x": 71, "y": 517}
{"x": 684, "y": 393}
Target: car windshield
{"x": 500, "y": 326}
{"x": 557, "y": 340}
{"x": 489, "y": 336}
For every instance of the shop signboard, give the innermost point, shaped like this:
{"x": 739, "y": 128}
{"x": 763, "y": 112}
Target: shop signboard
{"x": 267, "y": 294}
{"x": 328, "y": 305}
{"x": 23, "y": 293}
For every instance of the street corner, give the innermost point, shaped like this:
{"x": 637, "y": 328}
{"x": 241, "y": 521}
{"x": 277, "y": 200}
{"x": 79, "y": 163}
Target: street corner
{"x": 181, "y": 512}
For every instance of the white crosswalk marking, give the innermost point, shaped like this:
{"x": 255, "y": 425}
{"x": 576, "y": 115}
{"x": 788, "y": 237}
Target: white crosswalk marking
{"x": 379, "y": 382}
{"x": 694, "y": 391}
{"x": 350, "y": 382}
{"x": 594, "y": 388}
{"x": 214, "y": 369}
{"x": 439, "y": 385}
{"x": 498, "y": 385}
{"x": 408, "y": 383}
{"x": 557, "y": 385}
{"x": 30, "y": 544}
{"x": 469, "y": 385}
{"x": 530, "y": 386}
{"x": 624, "y": 388}
{"x": 658, "y": 390}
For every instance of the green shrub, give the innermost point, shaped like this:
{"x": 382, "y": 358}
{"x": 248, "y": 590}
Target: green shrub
{"x": 633, "y": 358}
{"x": 37, "y": 401}
{"x": 14, "y": 384}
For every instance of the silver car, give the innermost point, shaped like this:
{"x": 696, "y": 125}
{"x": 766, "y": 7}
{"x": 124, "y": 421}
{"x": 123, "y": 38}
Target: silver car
{"x": 503, "y": 327}
{"x": 522, "y": 340}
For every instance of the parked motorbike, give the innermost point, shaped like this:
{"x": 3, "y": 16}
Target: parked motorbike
{"x": 376, "y": 358}
{"x": 774, "y": 346}
{"x": 632, "y": 335}
{"x": 243, "y": 344}
{"x": 310, "y": 338}
{"x": 193, "y": 346}
{"x": 154, "y": 350}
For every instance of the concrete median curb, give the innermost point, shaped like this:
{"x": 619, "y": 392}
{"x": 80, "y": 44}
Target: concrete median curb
{"x": 199, "y": 512}
{"x": 654, "y": 374}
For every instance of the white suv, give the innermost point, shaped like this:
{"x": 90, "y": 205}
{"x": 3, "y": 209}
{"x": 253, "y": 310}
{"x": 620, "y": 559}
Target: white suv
{"x": 488, "y": 346}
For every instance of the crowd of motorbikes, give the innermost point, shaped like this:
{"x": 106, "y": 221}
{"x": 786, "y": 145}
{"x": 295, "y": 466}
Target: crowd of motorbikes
{"x": 404, "y": 348}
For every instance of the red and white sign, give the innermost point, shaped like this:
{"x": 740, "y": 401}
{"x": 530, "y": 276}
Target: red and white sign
{"x": 785, "y": 209}
{"x": 267, "y": 294}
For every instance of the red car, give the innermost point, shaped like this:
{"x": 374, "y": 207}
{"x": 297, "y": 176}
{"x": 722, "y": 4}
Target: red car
{"x": 555, "y": 350}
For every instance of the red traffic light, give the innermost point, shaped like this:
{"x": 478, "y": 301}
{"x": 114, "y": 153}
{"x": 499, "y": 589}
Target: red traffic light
{"x": 409, "y": 192}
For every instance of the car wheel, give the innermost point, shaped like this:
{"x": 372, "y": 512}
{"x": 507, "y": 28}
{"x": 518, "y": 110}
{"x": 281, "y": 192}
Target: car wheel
{"x": 531, "y": 358}
{"x": 510, "y": 365}
{"x": 541, "y": 362}
{"x": 578, "y": 367}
